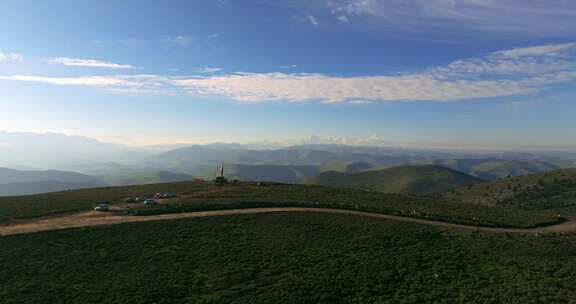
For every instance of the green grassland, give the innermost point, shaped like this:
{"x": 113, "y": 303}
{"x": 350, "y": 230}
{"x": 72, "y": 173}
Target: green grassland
{"x": 144, "y": 177}
{"x": 494, "y": 169}
{"x": 206, "y": 196}
{"x": 527, "y": 201}
{"x": 284, "y": 258}
{"x": 420, "y": 206}
{"x": 539, "y": 191}
{"x": 420, "y": 179}
{"x": 30, "y": 206}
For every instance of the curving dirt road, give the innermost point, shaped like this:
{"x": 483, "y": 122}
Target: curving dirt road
{"x": 92, "y": 218}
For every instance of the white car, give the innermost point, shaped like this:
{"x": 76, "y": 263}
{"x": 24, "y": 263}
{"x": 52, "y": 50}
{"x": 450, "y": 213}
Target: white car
{"x": 102, "y": 207}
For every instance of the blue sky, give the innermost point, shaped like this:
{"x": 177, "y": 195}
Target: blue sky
{"x": 443, "y": 73}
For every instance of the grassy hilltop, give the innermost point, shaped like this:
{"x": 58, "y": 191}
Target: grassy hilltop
{"x": 30, "y": 206}
{"x": 284, "y": 258}
{"x": 538, "y": 191}
{"x": 294, "y": 257}
{"x": 448, "y": 207}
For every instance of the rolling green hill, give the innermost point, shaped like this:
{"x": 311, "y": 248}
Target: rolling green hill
{"x": 547, "y": 190}
{"x": 31, "y": 206}
{"x": 422, "y": 179}
{"x": 145, "y": 177}
{"x": 497, "y": 168}
{"x": 347, "y": 166}
{"x": 29, "y": 188}
{"x": 296, "y": 258}
{"x": 207, "y": 196}
{"x": 23, "y": 182}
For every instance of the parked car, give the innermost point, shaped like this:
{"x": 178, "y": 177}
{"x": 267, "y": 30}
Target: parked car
{"x": 102, "y": 207}
{"x": 129, "y": 200}
{"x": 141, "y": 199}
{"x": 165, "y": 195}
{"x": 149, "y": 202}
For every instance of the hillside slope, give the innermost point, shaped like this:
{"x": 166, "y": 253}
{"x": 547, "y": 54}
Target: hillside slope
{"x": 14, "y": 189}
{"x": 145, "y": 177}
{"x": 499, "y": 168}
{"x": 404, "y": 179}
{"x": 17, "y": 182}
{"x": 284, "y": 258}
{"x": 553, "y": 189}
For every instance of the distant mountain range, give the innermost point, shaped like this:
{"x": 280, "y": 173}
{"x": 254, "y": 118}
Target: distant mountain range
{"x": 17, "y": 182}
{"x": 27, "y": 188}
{"x": 498, "y": 168}
{"x": 19, "y": 176}
{"x": 89, "y": 162}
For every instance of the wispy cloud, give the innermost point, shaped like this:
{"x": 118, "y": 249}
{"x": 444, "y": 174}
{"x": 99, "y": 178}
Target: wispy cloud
{"x": 307, "y": 18}
{"x": 514, "y": 72}
{"x": 89, "y": 63}
{"x": 179, "y": 41}
{"x": 372, "y": 139}
{"x": 497, "y": 74}
{"x": 319, "y": 87}
{"x": 312, "y": 19}
{"x": 11, "y": 57}
{"x": 548, "y": 50}
{"x": 512, "y": 16}
{"x": 207, "y": 70}
{"x": 95, "y": 81}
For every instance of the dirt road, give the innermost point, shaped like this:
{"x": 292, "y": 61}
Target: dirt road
{"x": 93, "y": 218}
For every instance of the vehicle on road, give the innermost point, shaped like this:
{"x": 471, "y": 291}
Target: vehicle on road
{"x": 102, "y": 207}
{"x": 165, "y": 195}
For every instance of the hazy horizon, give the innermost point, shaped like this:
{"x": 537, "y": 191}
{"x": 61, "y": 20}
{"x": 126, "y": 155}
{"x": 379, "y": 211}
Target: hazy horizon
{"x": 369, "y": 141}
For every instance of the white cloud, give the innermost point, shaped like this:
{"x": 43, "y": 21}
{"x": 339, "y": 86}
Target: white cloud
{"x": 95, "y": 81}
{"x": 372, "y": 139}
{"x": 90, "y": 63}
{"x": 318, "y": 87}
{"x": 312, "y": 20}
{"x": 306, "y": 18}
{"x": 551, "y": 49}
{"x": 536, "y": 60}
{"x": 520, "y": 71}
{"x": 14, "y": 57}
{"x": 207, "y": 70}
{"x": 516, "y": 72}
{"x": 343, "y": 18}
